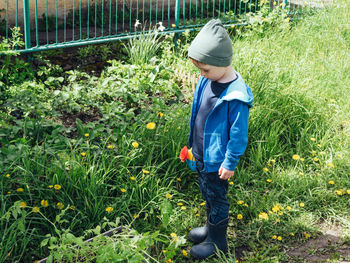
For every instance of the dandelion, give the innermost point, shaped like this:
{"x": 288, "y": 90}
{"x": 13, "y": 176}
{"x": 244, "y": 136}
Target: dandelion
{"x": 9, "y": 192}
{"x": 197, "y": 214}
{"x": 231, "y": 183}
{"x": 183, "y": 208}
{"x": 123, "y": 190}
{"x": 239, "y": 216}
{"x": 60, "y": 205}
{"x": 57, "y": 186}
{"x": 160, "y": 114}
{"x": 339, "y": 192}
{"x": 330, "y": 165}
{"x": 161, "y": 27}
{"x": 319, "y": 145}
{"x": 296, "y": 157}
{"x": 268, "y": 180}
{"x": 280, "y": 213}
{"x": 110, "y": 146}
{"x": 83, "y": 154}
{"x": 72, "y": 207}
{"x": 306, "y": 235}
{"x": 7, "y": 175}
{"x": 232, "y": 26}
{"x": 136, "y": 216}
{"x": 86, "y": 135}
{"x": 135, "y": 144}
{"x": 313, "y": 153}
{"x": 348, "y": 192}
{"x": 331, "y": 182}
{"x": 274, "y": 237}
{"x": 316, "y": 159}
{"x": 151, "y": 125}
{"x": 276, "y": 208}
{"x": 173, "y": 25}
{"x": 292, "y": 234}
{"x": 301, "y": 204}
{"x": 50, "y": 186}
{"x": 173, "y": 235}
{"x": 278, "y": 221}
{"x": 180, "y": 204}
{"x": 246, "y": 205}
{"x": 44, "y": 203}
{"x": 36, "y": 209}
{"x": 184, "y": 253}
{"x": 202, "y": 204}
{"x": 302, "y": 159}
{"x": 289, "y": 208}
{"x": 264, "y": 216}
{"x": 22, "y": 204}
{"x": 312, "y": 139}
{"x": 240, "y": 202}
{"x": 279, "y": 238}
{"x": 339, "y": 155}
{"x": 265, "y": 169}
{"x": 145, "y": 171}
{"x": 109, "y": 209}
{"x": 19, "y": 190}
{"x": 169, "y": 196}
{"x": 178, "y": 179}
{"x": 301, "y": 173}
{"x": 132, "y": 178}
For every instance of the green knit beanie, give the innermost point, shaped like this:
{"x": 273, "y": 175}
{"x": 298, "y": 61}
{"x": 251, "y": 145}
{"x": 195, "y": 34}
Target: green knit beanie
{"x": 212, "y": 45}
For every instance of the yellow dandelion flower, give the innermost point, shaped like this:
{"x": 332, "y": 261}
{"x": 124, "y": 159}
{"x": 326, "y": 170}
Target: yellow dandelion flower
{"x": 183, "y": 208}
{"x": 136, "y": 216}
{"x": 302, "y": 159}
{"x": 264, "y": 216}
{"x": 280, "y": 213}
{"x": 331, "y": 165}
{"x": 196, "y": 214}
{"x": 22, "y": 204}
{"x": 279, "y": 238}
{"x": 132, "y": 178}
{"x": 312, "y": 139}
{"x": 44, "y": 203}
{"x": 240, "y": 202}
{"x": 265, "y": 169}
{"x": 313, "y": 153}
{"x": 160, "y": 114}
{"x": 169, "y": 196}
{"x": 301, "y": 204}
{"x": 135, "y": 144}
{"x": 60, "y": 205}
{"x": 231, "y": 183}
{"x": 339, "y": 192}
{"x": 301, "y": 173}
{"x": 339, "y": 155}
{"x": 145, "y": 171}
{"x": 109, "y": 209}
{"x": 9, "y": 192}
{"x": 151, "y": 125}
{"x": 7, "y": 175}
{"x": 169, "y": 260}
{"x": 268, "y": 180}
{"x": 239, "y": 216}
{"x": 277, "y": 220}
{"x": 110, "y": 146}
{"x": 50, "y": 186}
{"x": 246, "y": 205}
{"x": 292, "y": 234}
{"x": 123, "y": 190}
{"x": 296, "y": 157}
{"x": 86, "y": 135}
{"x": 173, "y": 235}
{"x": 289, "y": 208}
{"x": 173, "y": 25}
{"x": 19, "y": 190}
{"x": 180, "y": 204}
{"x": 202, "y": 204}
{"x": 72, "y": 207}
{"x": 331, "y": 182}
{"x": 178, "y": 179}
{"x": 164, "y": 251}
{"x": 319, "y": 145}
{"x": 276, "y": 208}
{"x": 166, "y": 130}
{"x": 316, "y": 159}
{"x": 184, "y": 253}
{"x": 83, "y": 154}
{"x": 36, "y": 209}
{"x": 306, "y": 235}
{"x": 274, "y": 237}
{"x": 348, "y": 191}
{"x": 57, "y": 186}
{"x": 232, "y": 26}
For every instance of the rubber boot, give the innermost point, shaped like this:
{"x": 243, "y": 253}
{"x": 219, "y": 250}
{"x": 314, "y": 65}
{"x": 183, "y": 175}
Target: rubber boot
{"x": 198, "y": 234}
{"x": 215, "y": 240}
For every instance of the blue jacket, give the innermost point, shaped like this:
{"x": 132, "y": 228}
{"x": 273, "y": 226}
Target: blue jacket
{"x": 225, "y": 135}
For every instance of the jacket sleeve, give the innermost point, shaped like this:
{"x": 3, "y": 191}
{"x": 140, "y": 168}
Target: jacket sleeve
{"x": 238, "y": 138}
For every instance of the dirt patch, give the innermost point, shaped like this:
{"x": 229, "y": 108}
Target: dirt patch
{"x": 327, "y": 247}
{"x": 69, "y": 120}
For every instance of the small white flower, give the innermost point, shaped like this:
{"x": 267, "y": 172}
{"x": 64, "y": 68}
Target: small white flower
{"x": 137, "y": 23}
{"x": 161, "y": 27}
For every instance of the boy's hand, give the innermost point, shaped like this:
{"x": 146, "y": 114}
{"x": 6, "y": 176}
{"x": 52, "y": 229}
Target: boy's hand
{"x": 225, "y": 174}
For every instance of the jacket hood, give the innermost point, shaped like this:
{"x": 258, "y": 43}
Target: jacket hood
{"x": 238, "y": 90}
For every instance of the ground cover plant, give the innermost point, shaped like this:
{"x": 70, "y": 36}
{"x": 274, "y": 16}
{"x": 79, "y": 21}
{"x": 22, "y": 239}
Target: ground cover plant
{"x": 83, "y": 153}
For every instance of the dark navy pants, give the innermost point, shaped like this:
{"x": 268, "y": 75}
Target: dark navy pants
{"x": 214, "y": 191}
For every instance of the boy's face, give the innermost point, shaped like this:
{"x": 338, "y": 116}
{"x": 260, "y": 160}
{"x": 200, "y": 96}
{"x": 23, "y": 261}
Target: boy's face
{"x": 210, "y": 72}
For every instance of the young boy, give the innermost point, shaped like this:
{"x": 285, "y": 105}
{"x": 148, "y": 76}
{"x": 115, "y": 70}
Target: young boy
{"x": 219, "y": 131}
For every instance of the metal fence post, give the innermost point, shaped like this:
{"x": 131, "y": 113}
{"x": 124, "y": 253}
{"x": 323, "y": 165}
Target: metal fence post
{"x": 177, "y": 20}
{"x": 26, "y": 24}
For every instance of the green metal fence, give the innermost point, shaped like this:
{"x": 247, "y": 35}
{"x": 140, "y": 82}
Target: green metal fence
{"x": 51, "y": 24}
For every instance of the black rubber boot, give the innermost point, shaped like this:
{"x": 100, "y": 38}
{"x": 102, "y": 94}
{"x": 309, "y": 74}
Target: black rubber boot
{"x": 216, "y": 239}
{"x": 198, "y": 234}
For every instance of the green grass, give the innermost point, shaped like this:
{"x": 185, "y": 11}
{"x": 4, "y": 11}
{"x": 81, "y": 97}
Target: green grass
{"x": 299, "y": 76}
